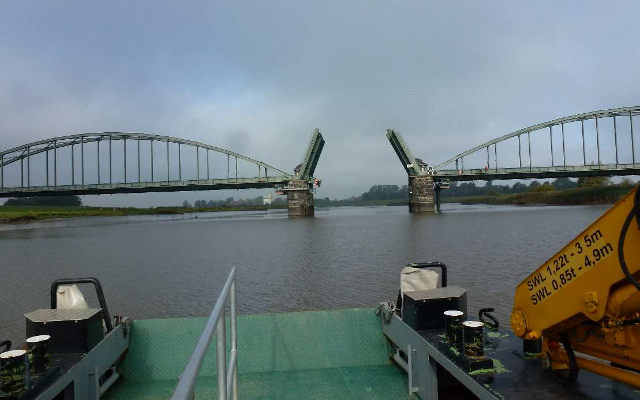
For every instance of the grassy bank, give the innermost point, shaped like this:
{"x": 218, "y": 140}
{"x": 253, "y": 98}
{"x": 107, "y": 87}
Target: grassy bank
{"x": 578, "y": 196}
{"x": 17, "y": 214}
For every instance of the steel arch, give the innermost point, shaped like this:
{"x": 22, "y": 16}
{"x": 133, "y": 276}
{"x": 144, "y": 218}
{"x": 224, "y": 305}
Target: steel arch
{"x": 613, "y": 112}
{"x": 31, "y": 149}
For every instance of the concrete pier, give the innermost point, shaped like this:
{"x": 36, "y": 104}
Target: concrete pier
{"x": 299, "y": 199}
{"x": 421, "y": 194}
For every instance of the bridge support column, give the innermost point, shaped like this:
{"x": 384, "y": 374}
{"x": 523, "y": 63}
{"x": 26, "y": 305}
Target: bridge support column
{"x": 299, "y": 199}
{"x": 421, "y": 194}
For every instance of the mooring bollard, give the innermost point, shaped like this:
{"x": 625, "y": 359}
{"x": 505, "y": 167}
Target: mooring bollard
{"x": 453, "y": 322}
{"x": 12, "y": 371}
{"x": 38, "y": 353}
{"x": 473, "y": 338}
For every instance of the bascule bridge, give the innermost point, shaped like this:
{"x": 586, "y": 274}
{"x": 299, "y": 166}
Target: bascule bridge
{"x": 125, "y": 162}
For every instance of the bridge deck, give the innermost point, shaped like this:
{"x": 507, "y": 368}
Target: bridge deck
{"x": 144, "y": 187}
{"x": 539, "y": 172}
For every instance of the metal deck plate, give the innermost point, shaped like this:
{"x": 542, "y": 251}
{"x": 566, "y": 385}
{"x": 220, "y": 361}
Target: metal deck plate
{"x": 354, "y": 383}
{"x": 437, "y": 293}
{"x": 54, "y": 315}
{"x": 337, "y": 354}
{"x": 523, "y": 378}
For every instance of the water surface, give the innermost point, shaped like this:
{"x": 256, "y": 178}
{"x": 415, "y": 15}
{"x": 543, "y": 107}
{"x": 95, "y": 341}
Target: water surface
{"x": 154, "y": 267}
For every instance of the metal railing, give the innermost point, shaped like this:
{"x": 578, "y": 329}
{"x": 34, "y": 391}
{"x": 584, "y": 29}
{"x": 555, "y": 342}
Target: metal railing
{"x": 227, "y": 375}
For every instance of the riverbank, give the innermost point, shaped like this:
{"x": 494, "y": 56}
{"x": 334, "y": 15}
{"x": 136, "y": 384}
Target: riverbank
{"x": 578, "y": 196}
{"x": 23, "y": 214}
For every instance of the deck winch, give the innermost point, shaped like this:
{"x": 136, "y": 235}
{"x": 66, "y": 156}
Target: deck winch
{"x": 442, "y": 311}
{"x": 71, "y": 353}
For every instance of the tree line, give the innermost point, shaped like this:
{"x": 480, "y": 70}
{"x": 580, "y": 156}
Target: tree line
{"x": 70, "y": 201}
{"x": 457, "y": 189}
{"x": 230, "y": 201}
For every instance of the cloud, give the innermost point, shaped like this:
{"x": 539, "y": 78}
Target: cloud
{"x": 257, "y": 78}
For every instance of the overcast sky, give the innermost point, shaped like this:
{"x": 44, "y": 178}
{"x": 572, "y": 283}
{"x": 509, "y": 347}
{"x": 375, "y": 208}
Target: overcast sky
{"x": 258, "y": 77}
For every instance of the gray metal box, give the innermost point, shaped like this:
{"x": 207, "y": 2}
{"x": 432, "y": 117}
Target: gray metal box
{"x": 424, "y": 309}
{"x": 71, "y": 331}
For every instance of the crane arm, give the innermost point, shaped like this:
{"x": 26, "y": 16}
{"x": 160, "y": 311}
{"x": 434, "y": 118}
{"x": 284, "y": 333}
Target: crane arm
{"x": 587, "y": 297}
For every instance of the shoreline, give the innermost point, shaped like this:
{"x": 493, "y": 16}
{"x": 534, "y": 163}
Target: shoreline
{"x": 570, "y": 197}
{"x": 27, "y": 214}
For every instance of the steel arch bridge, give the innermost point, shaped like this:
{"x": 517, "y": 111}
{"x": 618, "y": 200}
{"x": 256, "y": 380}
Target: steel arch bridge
{"x": 79, "y": 179}
{"x": 525, "y": 168}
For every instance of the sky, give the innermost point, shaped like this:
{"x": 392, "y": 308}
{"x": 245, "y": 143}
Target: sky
{"x": 257, "y": 77}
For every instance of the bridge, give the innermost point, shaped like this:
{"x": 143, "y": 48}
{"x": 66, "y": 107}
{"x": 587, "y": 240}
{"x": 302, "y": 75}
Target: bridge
{"x": 609, "y": 134}
{"x": 119, "y": 162}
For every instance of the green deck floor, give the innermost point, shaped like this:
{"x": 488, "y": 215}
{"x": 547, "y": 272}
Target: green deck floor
{"x": 361, "y": 383}
{"x": 338, "y": 354}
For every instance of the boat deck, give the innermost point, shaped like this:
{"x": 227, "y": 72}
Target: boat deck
{"x": 370, "y": 383}
{"x": 338, "y": 354}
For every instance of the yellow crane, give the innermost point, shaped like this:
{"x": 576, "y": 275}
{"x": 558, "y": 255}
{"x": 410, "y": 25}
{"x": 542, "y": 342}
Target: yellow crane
{"x": 581, "y": 308}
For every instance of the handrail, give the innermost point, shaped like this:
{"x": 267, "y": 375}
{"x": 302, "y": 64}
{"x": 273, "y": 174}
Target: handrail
{"x": 227, "y": 376}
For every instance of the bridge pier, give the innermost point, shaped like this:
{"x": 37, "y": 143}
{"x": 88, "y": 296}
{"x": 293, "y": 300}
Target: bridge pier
{"x": 421, "y": 193}
{"x": 299, "y": 199}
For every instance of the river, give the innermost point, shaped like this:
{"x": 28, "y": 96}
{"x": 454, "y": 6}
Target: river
{"x": 174, "y": 266}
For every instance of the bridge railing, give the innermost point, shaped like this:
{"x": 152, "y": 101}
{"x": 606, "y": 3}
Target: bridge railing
{"x": 540, "y": 172}
{"x": 615, "y": 114}
{"x": 137, "y": 187}
{"x": 227, "y": 375}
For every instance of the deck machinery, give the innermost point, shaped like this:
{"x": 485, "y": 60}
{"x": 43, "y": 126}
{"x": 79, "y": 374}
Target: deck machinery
{"x": 580, "y": 310}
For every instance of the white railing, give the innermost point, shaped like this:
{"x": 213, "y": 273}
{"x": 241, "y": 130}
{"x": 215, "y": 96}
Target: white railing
{"x": 227, "y": 375}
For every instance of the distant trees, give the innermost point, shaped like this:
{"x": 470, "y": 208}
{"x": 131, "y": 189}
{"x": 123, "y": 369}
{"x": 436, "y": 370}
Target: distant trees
{"x": 470, "y": 189}
{"x": 626, "y": 182}
{"x": 545, "y": 187}
{"x": 594, "y": 181}
{"x": 386, "y": 192}
{"x": 71, "y": 201}
{"x": 564, "y": 183}
{"x": 463, "y": 189}
{"x": 518, "y": 187}
{"x": 230, "y": 201}
{"x": 398, "y": 194}
{"x": 535, "y": 187}
{"x": 457, "y": 189}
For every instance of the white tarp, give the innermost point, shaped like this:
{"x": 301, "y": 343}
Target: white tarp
{"x": 412, "y": 279}
{"x": 70, "y": 298}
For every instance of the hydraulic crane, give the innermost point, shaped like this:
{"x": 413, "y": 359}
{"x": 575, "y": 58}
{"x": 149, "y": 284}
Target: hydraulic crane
{"x": 586, "y": 300}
